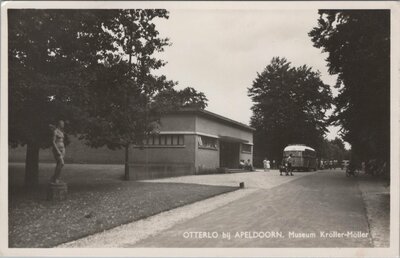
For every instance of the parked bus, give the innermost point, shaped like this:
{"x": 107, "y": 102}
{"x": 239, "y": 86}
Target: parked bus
{"x": 304, "y": 158}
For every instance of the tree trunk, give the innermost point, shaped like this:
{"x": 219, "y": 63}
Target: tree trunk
{"x": 32, "y": 165}
{"x": 127, "y": 177}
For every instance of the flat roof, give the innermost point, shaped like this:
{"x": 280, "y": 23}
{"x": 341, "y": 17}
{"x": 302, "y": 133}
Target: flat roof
{"x": 214, "y": 116}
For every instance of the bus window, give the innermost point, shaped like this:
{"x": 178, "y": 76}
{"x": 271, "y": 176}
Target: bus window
{"x": 294, "y": 153}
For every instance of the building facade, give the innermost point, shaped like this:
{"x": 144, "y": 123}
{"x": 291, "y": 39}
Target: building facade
{"x": 193, "y": 142}
{"x": 190, "y": 142}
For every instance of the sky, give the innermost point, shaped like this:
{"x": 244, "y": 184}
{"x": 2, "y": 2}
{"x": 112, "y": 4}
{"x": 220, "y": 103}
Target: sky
{"x": 220, "y": 52}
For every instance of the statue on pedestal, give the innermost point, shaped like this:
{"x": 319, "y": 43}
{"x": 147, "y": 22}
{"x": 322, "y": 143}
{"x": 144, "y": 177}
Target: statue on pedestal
{"x": 58, "y": 151}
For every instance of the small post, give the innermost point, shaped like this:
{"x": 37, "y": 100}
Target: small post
{"x": 241, "y": 185}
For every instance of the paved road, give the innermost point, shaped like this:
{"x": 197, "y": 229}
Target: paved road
{"x": 322, "y": 203}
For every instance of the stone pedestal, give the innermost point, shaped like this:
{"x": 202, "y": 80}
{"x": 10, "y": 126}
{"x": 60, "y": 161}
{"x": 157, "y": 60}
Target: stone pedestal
{"x": 57, "y": 191}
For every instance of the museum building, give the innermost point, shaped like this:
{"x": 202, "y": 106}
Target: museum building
{"x": 193, "y": 142}
{"x": 190, "y": 141}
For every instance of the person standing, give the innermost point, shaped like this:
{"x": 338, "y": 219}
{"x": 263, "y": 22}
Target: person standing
{"x": 289, "y": 162}
{"x": 273, "y": 164}
{"x": 268, "y": 165}
{"x": 265, "y": 161}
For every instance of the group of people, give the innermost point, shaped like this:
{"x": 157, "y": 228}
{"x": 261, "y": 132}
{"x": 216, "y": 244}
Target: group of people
{"x": 269, "y": 165}
{"x": 373, "y": 167}
{"x": 329, "y": 164}
{"x": 287, "y": 165}
{"x": 246, "y": 165}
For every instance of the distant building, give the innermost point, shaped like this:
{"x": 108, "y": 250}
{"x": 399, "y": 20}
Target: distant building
{"x": 190, "y": 141}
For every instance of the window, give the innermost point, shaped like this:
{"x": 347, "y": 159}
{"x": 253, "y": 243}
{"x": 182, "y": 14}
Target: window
{"x": 246, "y": 148}
{"x": 168, "y": 139}
{"x": 294, "y": 153}
{"x": 174, "y": 139}
{"x": 180, "y": 140}
{"x": 310, "y": 153}
{"x": 164, "y": 140}
{"x": 207, "y": 142}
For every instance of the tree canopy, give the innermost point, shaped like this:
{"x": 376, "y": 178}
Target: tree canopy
{"x": 358, "y": 47}
{"x": 93, "y": 68}
{"x": 289, "y": 107}
{"x": 49, "y": 52}
{"x": 119, "y": 98}
{"x": 172, "y": 99}
{"x": 45, "y": 56}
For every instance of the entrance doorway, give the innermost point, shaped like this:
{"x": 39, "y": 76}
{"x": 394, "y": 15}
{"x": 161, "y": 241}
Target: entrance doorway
{"x": 229, "y": 154}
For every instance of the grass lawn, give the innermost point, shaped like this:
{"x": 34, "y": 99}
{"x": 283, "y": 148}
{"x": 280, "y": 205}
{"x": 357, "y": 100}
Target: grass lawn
{"x": 97, "y": 200}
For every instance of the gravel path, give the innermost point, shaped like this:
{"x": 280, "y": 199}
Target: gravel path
{"x": 256, "y": 179}
{"x": 322, "y": 210}
{"x": 129, "y": 234}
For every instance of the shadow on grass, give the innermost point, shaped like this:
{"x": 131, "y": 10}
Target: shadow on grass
{"x": 97, "y": 200}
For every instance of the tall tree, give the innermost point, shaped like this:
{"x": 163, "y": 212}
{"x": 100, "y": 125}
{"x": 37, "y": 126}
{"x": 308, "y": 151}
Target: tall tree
{"x": 289, "y": 107}
{"x": 127, "y": 99}
{"x": 49, "y": 52}
{"x": 358, "y": 47}
{"x": 91, "y": 67}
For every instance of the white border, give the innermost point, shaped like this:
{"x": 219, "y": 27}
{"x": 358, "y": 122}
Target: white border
{"x": 393, "y": 251}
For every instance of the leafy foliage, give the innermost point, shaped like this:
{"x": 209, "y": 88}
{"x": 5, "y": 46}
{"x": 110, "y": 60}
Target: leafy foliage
{"x": 92, "y": 68}
{"x": 127, "y": 99}
{"x": 289, "y": 107}
{"x": 47, "y": 55}
{"x": 172, "y": 99}
{"x": 119, "y": 98}
{"x": 358, "y": 44}
{"x": 334, "y": 150}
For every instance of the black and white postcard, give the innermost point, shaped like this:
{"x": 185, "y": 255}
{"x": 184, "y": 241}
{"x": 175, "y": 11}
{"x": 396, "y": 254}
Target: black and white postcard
{"x": 200, "y": 129}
